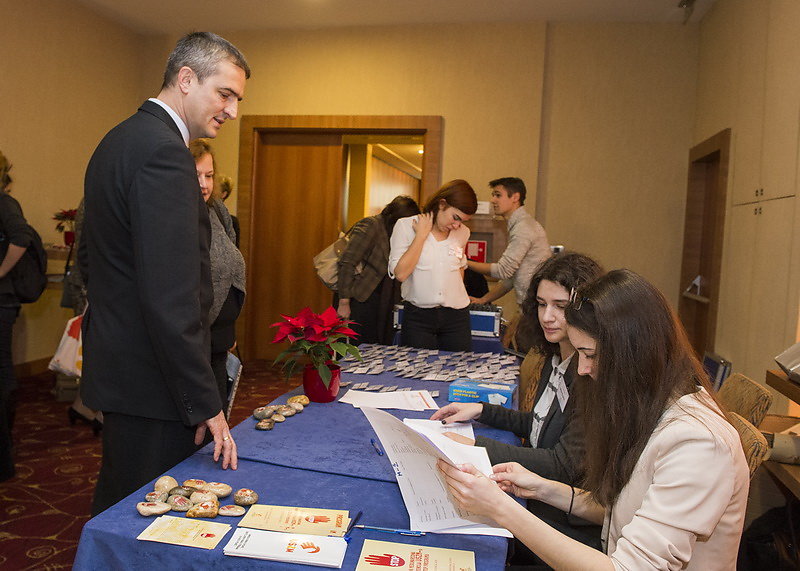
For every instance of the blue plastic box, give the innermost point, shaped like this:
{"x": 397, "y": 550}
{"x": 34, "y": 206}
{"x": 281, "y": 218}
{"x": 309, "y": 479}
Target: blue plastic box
{"x": 468, "y": 390}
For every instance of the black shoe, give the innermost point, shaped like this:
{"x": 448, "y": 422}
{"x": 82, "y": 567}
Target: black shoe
{"x": 97, "y": 426}
{"x": 75, "y": 416}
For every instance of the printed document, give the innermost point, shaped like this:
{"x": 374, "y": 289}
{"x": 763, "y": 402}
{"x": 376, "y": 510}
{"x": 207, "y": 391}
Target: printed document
{"x": 406, "y": 400}
{"x": 413, "y": 456}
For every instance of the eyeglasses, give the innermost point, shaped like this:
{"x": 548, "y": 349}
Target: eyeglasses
{"x": 576, "y": 303}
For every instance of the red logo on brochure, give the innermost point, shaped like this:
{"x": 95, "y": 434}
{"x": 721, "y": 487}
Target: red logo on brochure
{"x": 385, "y": 560}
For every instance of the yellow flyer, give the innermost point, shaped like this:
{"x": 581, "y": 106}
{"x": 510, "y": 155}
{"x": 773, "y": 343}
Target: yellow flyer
{"x": 376, "y": 555}
{"x": 309, "y": 521}
{"x": 183, "y": 531}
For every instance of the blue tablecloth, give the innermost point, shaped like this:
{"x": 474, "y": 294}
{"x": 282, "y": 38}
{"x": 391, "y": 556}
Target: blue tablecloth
{"x": 321, "y": 457}
{"x": 335, "y": 437}
{"x": 109, "y": 540}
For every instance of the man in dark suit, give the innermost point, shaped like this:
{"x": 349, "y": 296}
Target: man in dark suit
{"x": 144, "y": 256}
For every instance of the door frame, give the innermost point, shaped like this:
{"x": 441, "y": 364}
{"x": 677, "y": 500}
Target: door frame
{"x": 430, "y": 127}
{"x": 703, "y": 239}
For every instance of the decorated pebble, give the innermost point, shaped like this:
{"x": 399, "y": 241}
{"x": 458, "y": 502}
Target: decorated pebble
{"x": 277, "y": 417}
{"x": 165, "y": 484}
{"x": 262, "y": 412}
{"x": 300, "y": 399}
{"x": 219, "y": 489}
{"x": 184, "y": 491}
{"x": 231, "y": 510}
{"x": 200, "y": 497}
{"x": 156, "y": 497}
{"x": 285, "y": 410}
{"x": 245, "y": 497}
{"x": 204, "y": 509}
{"x": 153, "y": 508}
{"x": 179, "y": 503}
{"x": 296, "y": 406}
{"x": 266, "y": 424}
{"x": 194, "y": 483}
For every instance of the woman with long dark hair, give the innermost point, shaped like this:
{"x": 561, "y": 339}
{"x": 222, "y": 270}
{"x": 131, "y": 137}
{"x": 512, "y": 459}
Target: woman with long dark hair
{"x": 428, "y": 256}
{"x": 665, "y": 470}
{"x": 366, "y": 293}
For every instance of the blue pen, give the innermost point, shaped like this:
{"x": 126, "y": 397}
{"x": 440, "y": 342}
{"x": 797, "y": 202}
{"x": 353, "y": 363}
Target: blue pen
{"x": 393, "y": 530}
{"x": 376, "y": 447}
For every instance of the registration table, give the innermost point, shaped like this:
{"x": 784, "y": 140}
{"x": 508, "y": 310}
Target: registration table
{"x": 321, "y": 458}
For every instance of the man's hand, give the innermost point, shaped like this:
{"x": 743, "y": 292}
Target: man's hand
{"x": 343, "y": 309}
{"x": 223, "y": 441}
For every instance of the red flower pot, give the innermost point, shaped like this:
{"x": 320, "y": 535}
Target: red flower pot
{"x": 69, "y": 237}
{"x": 315, "y": 389}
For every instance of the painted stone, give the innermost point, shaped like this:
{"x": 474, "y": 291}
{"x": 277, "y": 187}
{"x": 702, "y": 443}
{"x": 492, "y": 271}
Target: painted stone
{"x": 156, "y": 497}
{"x": 200, "y": 496}
{"x": 301, "y": 399}
{"x": 184, "y": 491}
{"x": 204, "y": 509}
{"x": 179, "y": 503}
{"x": 262, "y": 412}
{"x": 219, "y": 489}
{"x": 245, "y": 497}
{"x": 165, "y": 484}
{"x": 232, "y": 511}
{"x": 266, "y": 424}
{"x": 153, "y": 508}
{"x": 297, "y": 406}
{"x": 277, "y": 417}
{"x": 194, "y": 483}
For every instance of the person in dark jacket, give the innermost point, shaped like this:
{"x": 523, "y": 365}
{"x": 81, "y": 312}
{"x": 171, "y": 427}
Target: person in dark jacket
{"x": 366, "y": 292}
{"x": 553, "y": 430}
{"x": 13, "y": 243}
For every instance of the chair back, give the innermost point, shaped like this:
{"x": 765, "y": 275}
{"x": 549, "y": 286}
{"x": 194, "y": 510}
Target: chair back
{"x": 745, "y": 397}
{"x": 529, "y": 372}
{"x": 753, "y": 442}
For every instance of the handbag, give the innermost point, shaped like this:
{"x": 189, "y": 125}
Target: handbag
{"x": 68, "y": 358}
{"x": 326, "y": 263}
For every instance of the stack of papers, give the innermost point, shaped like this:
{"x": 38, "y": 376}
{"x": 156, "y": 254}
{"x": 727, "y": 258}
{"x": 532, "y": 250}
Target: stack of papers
{"x": 311, "y": 521}
{"x": 405, "y": 400}
{"x": 287, "y": 547}
{"x": 183, "y": 531}
{"x": 414, "y": 455}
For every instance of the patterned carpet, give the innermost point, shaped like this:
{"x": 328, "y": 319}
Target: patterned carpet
{"x": 43, "y": 508}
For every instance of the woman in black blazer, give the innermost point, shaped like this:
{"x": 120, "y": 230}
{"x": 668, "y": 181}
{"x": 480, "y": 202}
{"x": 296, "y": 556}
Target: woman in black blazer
{"x": 554, "y": 434}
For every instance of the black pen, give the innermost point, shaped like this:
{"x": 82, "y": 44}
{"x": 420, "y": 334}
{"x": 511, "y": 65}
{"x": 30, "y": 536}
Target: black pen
{"x": 350, "y": 527}
{"x": 376, "y": 447}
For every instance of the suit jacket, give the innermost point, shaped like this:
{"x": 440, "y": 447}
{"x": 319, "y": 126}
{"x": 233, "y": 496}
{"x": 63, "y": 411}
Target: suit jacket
{"x": 561, "y": 451}
{"x": 369, "y": 245}
{"x": 144, "y": 256}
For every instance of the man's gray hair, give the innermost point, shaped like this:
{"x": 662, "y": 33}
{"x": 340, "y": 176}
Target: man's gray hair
{"x": 202, "y": 52}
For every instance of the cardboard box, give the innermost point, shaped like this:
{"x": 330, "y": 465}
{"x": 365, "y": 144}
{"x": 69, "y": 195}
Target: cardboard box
{"x": 468, "y": 390}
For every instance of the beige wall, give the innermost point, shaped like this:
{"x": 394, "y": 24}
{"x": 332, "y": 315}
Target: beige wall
{"x": 484, "y": 79}
{"x": 618, "y": 118}
{"x": 68, "y": 75}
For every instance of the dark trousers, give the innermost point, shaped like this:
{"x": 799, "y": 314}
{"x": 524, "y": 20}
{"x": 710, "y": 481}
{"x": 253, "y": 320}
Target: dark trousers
{"x": 8, "y": 385}
{"x": 137, "y": 450}
{"x": 436, "y": 328}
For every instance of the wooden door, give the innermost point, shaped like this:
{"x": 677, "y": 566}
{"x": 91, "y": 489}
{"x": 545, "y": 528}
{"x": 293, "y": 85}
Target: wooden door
{"x": 296, "y": 211}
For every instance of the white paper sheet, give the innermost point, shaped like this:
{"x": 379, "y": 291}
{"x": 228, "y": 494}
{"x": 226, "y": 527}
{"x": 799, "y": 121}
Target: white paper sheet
{"x": 404, "y": 400}
{"x": 413, "y": 457}
{"x": 436, "y": 427}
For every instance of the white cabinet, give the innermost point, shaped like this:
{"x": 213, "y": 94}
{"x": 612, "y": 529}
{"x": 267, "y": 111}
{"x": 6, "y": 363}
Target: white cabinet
{"x": 768, "y": 100}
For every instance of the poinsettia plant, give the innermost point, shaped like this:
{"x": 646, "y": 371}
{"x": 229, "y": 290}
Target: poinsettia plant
{"x": 66, "y": 219}
{"x": 323, "y": 339}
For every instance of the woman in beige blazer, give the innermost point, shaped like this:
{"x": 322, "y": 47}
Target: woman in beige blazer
{"x": 665, "y": 471}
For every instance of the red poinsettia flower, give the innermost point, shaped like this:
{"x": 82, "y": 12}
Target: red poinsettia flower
{"x": 323, "y": 338}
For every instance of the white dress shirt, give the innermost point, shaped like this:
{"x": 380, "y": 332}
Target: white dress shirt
{"x": 436, "y": 279}
{"x": 175, "y": 117}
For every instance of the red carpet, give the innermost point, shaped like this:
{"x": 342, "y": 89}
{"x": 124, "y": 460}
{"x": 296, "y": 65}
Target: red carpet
{"x": 44, "y": 507}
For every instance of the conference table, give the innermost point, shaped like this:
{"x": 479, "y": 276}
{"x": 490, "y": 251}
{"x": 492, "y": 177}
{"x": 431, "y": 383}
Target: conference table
{"x": 322, "y": 458}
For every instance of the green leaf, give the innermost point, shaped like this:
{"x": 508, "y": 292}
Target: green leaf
{"x": 340, "y": 348}
{"x": 325, "y": 375}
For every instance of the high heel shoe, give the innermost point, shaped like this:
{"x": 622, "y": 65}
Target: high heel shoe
{"x": 75, "y": 416}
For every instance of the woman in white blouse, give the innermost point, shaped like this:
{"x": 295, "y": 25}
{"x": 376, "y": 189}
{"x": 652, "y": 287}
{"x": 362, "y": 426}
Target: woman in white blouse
{"x": 428, "y": 256}
{"x": 665, "y": 471}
